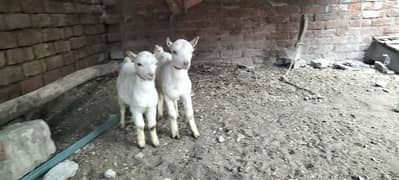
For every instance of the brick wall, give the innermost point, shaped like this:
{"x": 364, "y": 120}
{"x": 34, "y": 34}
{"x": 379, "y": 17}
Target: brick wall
{"x": 258, "y": 31}
{"x": 43, "y": 40}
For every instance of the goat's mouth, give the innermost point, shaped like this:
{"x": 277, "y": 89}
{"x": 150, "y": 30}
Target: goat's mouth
{"x": 146, "y": 78}
{"x": 181, "y": 68}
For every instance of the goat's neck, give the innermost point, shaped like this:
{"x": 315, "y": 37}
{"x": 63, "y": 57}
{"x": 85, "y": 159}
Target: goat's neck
{"x": 143, "y": 83}
{"x": 178, "y": 74}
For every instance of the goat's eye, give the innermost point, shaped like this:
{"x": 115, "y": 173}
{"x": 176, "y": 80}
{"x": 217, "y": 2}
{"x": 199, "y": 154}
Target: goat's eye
{"x": 174, "y": 52}
{"x": 139, "y": 64}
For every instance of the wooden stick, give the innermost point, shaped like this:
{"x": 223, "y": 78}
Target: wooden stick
{"x": 16, "y": 107}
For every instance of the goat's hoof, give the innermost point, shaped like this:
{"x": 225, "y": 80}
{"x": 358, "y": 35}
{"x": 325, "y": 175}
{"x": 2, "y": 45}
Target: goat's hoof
{"x": 196, "y": 135}
{"x": 155, "y": 144}
{"x": 141, "y": 145}
{"x": 176, "y": 136}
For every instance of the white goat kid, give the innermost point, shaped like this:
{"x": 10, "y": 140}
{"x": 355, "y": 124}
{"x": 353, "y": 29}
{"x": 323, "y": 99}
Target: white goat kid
{"x": 136, "y": 88}
{"x": 173, "y": 83}
{"x": 161, "y": 55}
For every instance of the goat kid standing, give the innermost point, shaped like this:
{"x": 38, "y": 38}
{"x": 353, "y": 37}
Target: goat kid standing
{"x": 173, "y": 83}
{"x": 136, "y": 88}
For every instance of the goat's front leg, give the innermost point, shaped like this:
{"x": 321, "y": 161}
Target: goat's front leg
{"x": 122, "y": 109}
{"x": 151, "y": 116}
{"x": 139, "y": 123}
{"x": 189, "y": 114}
{"x": 172, "y": 115}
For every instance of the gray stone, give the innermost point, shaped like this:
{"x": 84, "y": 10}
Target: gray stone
{"x": 220, "y": 139}
{"x": 62, "y": 171}
{"x": 117, "y": 54}
{"x": 381, "y": 84}
{"x": 28, "y": 144}
{"x": 380, "y": 67}
{"x": 340, "y": 66}
{"x": 109, "y": 173}
{"x": 139, "y": 155}
{"x": 319, "y": 63}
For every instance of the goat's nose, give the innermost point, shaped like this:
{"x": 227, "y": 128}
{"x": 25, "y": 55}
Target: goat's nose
{"x": 151, "y": 74}
{"x": 185, "y": 63}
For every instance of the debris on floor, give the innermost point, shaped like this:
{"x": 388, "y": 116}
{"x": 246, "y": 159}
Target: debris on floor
{"x": 62, "y": 171}
{"x": 320, "y": 63}
{"x": 110, "y": 174}
{"x": 381, "y": 67}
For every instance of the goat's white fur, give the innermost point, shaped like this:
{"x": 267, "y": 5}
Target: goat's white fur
{"x": 173, "y": 83}
{"x": 136, "y": 88}
{"x": 161, "y": 55}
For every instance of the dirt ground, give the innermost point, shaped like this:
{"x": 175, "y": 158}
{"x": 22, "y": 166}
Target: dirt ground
{"x": 271, "y": 130}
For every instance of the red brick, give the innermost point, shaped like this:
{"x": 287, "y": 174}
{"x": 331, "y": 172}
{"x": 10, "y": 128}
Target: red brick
{"x": 10, "y": 74}
{"x": 355, "y": 7}
{"x": 31, "y": 84}
{"x": 19, "y": 55}
{"x": 82, "y": 63}
{"x": 62, "y": 46}
{"x": 9, "y": 92}
{"x": 291, "y": 27}
{"x": 33, "y": 68}
{"x": 391, "y": 30}
{"x": 68, "y": 69}
{"x": 78, "y": 42}
{"x": 17, "y": 21}
{"x": 68, "y": 32}
{"x": 40, "y": 20}
{"x": 29, "y": 37}
{"x": 43, "y": 50}
{"x": 32, "y": 6}
{"x": 54, "y": 62}
{"x": 52, "y": 34}
{"x": 382, "y": 21}
{"x": 3, "y": 60}
{"x": 8, "y": 40}
{"x": 52, "y": 76}
{"x": 9, "y": 6}
{"x": 69, "y": 58}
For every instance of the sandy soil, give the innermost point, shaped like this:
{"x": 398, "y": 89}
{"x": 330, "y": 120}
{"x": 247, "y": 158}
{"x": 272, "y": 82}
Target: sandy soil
{"x": 271, "y": 130}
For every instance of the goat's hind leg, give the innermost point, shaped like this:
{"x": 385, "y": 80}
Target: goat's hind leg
{"x": 122, "y": 110}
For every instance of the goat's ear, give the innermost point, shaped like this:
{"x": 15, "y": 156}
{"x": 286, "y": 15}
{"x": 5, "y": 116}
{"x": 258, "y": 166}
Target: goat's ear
{"x": 131, "y": 54}
{"x": 168, "y": 42}
{"x": 194, "y": 41}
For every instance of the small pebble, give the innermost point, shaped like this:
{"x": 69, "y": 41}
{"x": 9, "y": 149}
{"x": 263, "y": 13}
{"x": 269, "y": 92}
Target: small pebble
{"x": 220, "y": 139}
{"x": 109, "y": 173}
{"x": 139, "y": 155}
{"x": 386, "y": 90}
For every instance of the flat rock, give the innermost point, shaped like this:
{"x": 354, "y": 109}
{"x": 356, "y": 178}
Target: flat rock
{"x": 380, "y": 67}
{"x": 25, "y": 145}
{"x": 110, "y": 174}
{"x": 381, "y": 84}
{"x": 319, "y": 63}
{"x": 62, "y": 171}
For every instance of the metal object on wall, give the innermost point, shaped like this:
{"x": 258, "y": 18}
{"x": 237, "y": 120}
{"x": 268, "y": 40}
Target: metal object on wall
{"x": 383, "y": 49}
